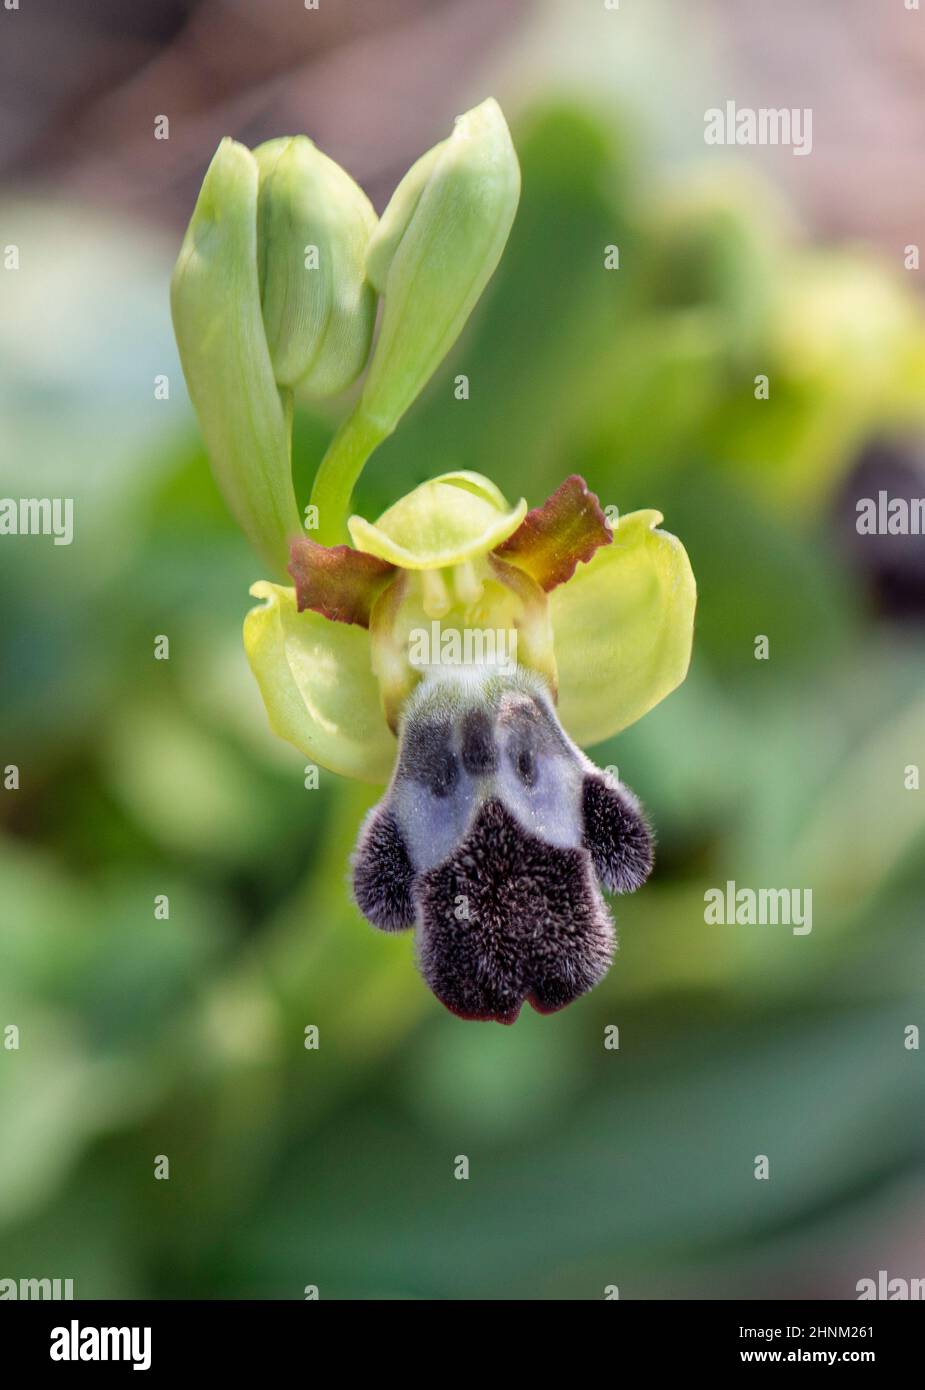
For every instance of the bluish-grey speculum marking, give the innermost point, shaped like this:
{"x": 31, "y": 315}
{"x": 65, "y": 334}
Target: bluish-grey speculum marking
{"x": 493, "y": 841}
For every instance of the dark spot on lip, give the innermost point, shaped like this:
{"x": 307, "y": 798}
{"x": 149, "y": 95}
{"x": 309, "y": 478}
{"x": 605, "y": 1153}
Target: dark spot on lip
{"x": 524, "y": 759}
{"x": 479, "y": 754}
{"x": 428, "y": 758}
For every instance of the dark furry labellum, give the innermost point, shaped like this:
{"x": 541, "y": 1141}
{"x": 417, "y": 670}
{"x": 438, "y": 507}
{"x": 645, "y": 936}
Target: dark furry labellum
{"x": 493, "y": 841}
{"x": 508, "y": 918}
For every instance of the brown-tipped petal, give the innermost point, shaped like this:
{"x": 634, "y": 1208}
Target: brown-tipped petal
{"x": 552, "y": 539}
{"x": 337, "y": 581}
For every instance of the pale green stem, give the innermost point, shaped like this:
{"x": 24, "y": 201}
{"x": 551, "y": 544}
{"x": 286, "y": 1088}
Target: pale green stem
{"x": 338, "y": 472}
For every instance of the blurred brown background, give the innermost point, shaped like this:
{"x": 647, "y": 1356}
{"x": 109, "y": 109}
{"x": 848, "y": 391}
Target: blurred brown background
{"x": 371, "y": 81}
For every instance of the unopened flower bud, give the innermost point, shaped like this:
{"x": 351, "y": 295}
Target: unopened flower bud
{"x": 313, "y": 228}
{"x": 215, "y": 300}
{"x": 270, "y": 295}
{"x": 436, "y": 247}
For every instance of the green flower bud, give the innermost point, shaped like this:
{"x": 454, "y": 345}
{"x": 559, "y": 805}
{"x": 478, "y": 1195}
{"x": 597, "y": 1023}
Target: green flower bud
{"x": 434, "y": 251}
{"x": 270, "y": 295}
{"x": 313, "y": 228}
{"x": 215, "y": 300}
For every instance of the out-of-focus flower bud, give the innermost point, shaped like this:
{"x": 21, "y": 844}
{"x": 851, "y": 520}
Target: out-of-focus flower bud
{"x": 436, "y": 247}
{"x": 313, "y": 229}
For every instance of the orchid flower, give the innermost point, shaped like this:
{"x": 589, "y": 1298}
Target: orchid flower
{"x": 460, "y": 649}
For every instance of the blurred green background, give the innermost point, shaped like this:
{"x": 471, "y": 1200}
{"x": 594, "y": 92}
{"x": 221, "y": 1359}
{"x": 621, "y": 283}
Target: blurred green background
{"x": 185, "y": 1037}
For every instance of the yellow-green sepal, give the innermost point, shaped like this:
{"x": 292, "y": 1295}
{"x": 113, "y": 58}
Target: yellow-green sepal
{"x": 447, "y": 521}
{"x": 318, "y": 686}
{"x": 623, "y": 627}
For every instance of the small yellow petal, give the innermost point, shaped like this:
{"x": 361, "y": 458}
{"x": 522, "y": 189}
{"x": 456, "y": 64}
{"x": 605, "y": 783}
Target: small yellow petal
{"x": 446, "y": 521}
